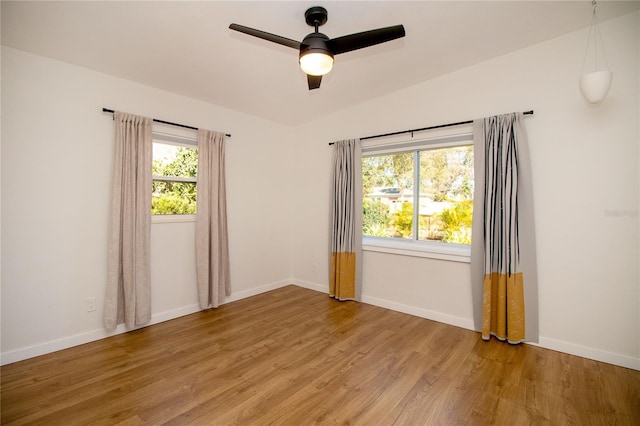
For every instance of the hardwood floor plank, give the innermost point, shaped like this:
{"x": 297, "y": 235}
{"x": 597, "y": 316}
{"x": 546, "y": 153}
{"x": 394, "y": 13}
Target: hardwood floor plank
{"x": 296, "y": 356}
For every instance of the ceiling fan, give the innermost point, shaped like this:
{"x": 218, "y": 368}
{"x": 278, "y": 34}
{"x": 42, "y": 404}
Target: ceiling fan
{"x": 317, "y": 50}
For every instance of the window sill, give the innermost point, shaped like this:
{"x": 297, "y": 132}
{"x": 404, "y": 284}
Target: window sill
{"x": 173, "y": 218}
{"x": 431, "y": 250}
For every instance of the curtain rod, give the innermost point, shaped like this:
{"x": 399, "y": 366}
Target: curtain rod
{"x": 424, "y": 128}
{"x": 184, "y": 126}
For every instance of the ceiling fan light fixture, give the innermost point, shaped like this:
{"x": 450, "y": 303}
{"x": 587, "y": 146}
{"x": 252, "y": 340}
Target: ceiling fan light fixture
{"x": 316, "y": 50}
{"x": 316, "y": 63}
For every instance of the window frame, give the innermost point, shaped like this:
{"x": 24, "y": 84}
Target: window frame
{"x": 440, "y": 138}
{"x": 183, "y": 140}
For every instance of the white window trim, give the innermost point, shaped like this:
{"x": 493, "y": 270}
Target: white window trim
{"x": 427, "y": 249}
{"x": 172, "y": 139}
{"x": 172, "y": 218}
{"x": 175, "y": 179}
{"x": 440, "y": 138}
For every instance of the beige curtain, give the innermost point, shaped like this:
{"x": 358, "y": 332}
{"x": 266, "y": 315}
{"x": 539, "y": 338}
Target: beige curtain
{"x": 212, "y": 246}
{"x": 345, "y": 278}
{"x": 128, "y": 295}
{"x": 503, "y": 253}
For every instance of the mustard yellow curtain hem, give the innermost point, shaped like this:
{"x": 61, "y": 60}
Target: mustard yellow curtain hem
{"x": 342, "y": 283}
{"x": 487, "y": 338}
{"x": 503, "y": 307}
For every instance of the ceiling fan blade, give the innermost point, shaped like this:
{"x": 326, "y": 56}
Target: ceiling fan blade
{"x": 266, "y": 36}
{"x": 314, "y": 81}
{"x": 365, "y": 39}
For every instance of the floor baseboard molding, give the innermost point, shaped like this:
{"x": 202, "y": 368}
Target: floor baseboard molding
{"x": 254, "y": 291}
{"x": 420, "y": 312}
{"x": 311, "y": 286}
{"x": 89, "y": 336}
{"x": 589, "y": 353}
{"x": 93, "y": 335}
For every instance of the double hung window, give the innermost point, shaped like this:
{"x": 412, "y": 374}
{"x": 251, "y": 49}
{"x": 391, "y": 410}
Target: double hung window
{"x": 174, "y": 170}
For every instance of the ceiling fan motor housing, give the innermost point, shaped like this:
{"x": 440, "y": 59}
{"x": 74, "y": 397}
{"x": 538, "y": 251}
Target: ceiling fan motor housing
{"x": 315, "y": 43}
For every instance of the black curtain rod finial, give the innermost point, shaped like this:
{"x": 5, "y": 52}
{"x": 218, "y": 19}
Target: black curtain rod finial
{"x": 184, "y": 126}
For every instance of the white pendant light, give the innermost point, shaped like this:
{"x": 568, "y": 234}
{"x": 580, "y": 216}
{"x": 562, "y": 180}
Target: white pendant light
{"x": 595, "y": 85}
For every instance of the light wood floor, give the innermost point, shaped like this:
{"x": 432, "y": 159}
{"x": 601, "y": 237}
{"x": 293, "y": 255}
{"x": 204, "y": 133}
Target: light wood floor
{"x": 295, "y": 357}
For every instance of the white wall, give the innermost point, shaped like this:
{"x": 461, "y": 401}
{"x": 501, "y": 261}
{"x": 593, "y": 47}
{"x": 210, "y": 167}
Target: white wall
{"x": 56, "y": 171}
{"x": 585, "y": 161}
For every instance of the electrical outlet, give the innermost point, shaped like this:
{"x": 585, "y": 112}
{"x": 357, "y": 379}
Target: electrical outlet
{"x": 91, "y": 304}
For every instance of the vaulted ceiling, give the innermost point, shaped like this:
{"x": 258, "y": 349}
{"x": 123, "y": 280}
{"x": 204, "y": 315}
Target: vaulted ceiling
{"x": 187, "y": 47}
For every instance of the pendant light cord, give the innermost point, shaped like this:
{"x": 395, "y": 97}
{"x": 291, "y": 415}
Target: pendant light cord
{"x": 597, "y": 36}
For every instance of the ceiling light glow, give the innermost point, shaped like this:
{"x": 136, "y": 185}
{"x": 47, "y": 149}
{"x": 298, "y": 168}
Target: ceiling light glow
{"x": 316, "y": 63}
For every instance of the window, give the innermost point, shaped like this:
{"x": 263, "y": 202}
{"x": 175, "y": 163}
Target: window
{"x": 175, "y": 168}
{"x": 418, "y": 196}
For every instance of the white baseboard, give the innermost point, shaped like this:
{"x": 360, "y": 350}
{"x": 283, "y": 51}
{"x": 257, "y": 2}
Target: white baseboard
{"x": 90, "y": 336}
{"x": 420, "y": 312}
{"x": 589, "y": 353}
{"x": 398, "y": 307}
{"x": 311, "y": 286}
{"x": 257, "y": 290}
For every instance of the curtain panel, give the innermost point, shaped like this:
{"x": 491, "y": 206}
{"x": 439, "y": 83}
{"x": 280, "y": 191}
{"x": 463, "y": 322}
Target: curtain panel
{"x": 128, "y": 293}
{"x": 345, "y": 278}
{"x": 503, "y": 252}
{"x": 212, "y": 243}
